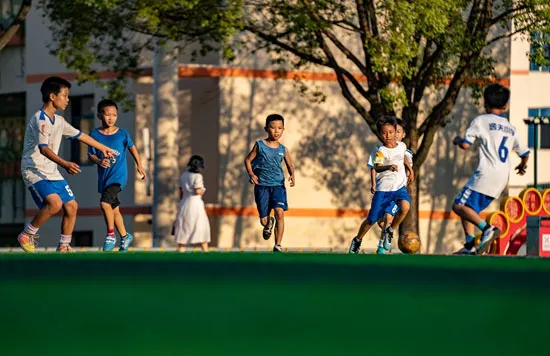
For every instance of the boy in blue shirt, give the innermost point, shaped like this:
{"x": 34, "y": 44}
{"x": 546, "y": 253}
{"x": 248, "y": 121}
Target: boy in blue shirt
{"x": 113, "y": 174}
{"x": 263, "y": 165}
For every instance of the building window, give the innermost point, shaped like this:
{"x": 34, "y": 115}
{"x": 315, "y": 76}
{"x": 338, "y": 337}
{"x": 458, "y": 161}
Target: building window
{"x": 534, "y": 67}
{"x": 80, "y": 114}
{"x": 544, "y": 130}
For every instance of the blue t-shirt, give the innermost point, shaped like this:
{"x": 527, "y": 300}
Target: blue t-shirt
{"x": 267, "y": 165}
{"x": 117, "y": 173}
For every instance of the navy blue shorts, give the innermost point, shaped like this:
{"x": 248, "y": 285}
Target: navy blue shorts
{"x": 268, "y": 198}
{"x": 40, "y": 190}
{"x": 383, "y": 202}
{"x": 477, "y": 201}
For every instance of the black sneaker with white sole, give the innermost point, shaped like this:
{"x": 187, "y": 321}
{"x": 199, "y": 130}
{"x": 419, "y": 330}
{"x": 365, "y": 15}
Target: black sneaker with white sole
{"x": 355, "y": 245}
{"x": 278, "y": 248}
{"x": 268, "y": 229}
{"x": 468, "y": 249}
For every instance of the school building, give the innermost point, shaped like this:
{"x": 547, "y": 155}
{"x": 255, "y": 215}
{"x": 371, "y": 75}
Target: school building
{"x": 221, "y": 108}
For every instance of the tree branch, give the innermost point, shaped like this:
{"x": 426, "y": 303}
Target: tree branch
{"x": 12, "y": 29}
{"x": 505, "y": 14}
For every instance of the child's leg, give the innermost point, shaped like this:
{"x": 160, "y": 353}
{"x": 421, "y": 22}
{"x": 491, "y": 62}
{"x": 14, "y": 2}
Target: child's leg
{"x": 108, "y": 215}
{"x": 404, "y": 207}
{"x": 204, "y": 246}
{"x": 51, "y": 205}
{"x": 181, "y": 248}
{"x": 363, "y": 229}
{"x": 69, "y": 219}
{"x": 279, "y": 226}
{"x": 119, "y": 222}
{"x": 261, "y": 196}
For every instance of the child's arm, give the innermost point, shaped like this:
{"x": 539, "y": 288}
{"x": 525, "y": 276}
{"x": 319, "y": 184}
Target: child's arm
{"x": 379, "y": 168}
{"x": 105, "y": 163}
{"x": 248, "y": 164}
{"x": 410, "y": 177}
{"x": 134, "y": 152}
{"x": 372, "y": 181}
{"x": 521, "y": 168}
{"x": 460, "y": 142}
{"x": 107, "y": 152}
{"x": 71, "y": 167}
{"x": 290, "y": 168}
{"x": 472, "y": 134}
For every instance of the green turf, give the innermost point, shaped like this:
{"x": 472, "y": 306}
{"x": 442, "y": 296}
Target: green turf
{"x": 266, "y": 304}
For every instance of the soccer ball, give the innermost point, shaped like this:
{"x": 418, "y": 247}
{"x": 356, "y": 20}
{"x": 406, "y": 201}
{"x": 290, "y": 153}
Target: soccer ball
{"x": 409, "y": 243}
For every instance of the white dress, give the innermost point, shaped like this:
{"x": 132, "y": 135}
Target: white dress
{"x": 192, "y": 225}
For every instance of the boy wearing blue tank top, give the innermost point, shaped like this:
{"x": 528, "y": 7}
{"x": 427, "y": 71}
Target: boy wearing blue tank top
{"x": 264, "y": 167}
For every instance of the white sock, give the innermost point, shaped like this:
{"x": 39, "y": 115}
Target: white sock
{"x": 29, "y": 229}
{"x": 65, "y": 239}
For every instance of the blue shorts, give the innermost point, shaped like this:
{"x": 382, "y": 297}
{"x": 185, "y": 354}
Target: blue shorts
{"x": 268, "y": 198}
{"x": 383, "y": 202}
{"x": 477, "y": 201}
{"x": 43, "y": 188}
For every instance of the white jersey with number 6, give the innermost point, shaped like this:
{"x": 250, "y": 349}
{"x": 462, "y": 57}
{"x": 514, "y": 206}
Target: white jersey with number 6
{"x": 497, "y": 138}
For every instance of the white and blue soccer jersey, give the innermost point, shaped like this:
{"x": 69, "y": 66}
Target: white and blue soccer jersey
{"x": 391, "y": 181}
{"x": 497, "y": 138}
{"x": 43, "y": 131}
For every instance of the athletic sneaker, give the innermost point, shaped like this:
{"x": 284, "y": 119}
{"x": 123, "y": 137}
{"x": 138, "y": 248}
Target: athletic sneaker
{"x": 268, "y": 229}
{"x": 277, "y": 248}
{"x": 387, "y": 235}
{"x": 355, "y": 245}
{"x": 27, "y": 241}
{"x": 109, "y": 244}
{"x": 468, "y": 249}
{"x": 490, "y": 234}
{"x": 64, "y": 248}
{"x": 125, "y": 242}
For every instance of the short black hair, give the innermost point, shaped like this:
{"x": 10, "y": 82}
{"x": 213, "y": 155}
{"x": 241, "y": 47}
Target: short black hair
{"x": 274, "y": 117}
{"x": 386, "y": 120}
{"x": 53, "y": 85}
{"x": 105, "y": 103}
{"x": 196, "y": 164}
{"x": 402, "y": 123}
{"x": 496, "y": 96}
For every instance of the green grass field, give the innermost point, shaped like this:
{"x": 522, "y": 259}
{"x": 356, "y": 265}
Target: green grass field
{"x": 266, "y": 304}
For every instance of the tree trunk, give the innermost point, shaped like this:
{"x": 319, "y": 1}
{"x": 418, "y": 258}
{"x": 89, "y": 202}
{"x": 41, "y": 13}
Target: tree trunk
{"x": 165, "y": 184}
{"x": 411, "y": 220}
{"x": 7, "y": 35}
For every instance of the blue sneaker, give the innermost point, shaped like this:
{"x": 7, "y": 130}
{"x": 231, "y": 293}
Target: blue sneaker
{"x": 125, "y": 242}
{"x": 387, "y": 235}
{"x": 109, "y": 243}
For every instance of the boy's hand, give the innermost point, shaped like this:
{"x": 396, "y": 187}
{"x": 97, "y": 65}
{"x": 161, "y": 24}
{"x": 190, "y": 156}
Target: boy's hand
{"x": 141, "y": 172}
{"x": 105, "y": 163}
{"x": 373, "y": 189}
{"x": 457, "y": 140}
{"x": 410, "y": 177}
{"x": 109, "y": 152}
{"x": 291, "y": 180}
{"x": 254, "y": 179}
{"x": 71, "y": 168}
{"x": 393, "y": 168}
{"x": 521, "y": 169}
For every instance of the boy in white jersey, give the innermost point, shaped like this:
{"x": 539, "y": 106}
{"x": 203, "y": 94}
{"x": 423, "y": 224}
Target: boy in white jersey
{"x": 39, "y": 164}
{"x": 391, "y": 181}
{"x": 497, "y": 137}
{"x": 392, "y": 208}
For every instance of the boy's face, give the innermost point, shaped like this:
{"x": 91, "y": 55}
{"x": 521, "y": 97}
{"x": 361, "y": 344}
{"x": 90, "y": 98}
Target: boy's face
{"x": 275, "y": 129}
{"x": 109, "y": 116}
{"x": 399, "y": 133}
{"x": 388, "y": 134}
{"x": 61, "y": 100}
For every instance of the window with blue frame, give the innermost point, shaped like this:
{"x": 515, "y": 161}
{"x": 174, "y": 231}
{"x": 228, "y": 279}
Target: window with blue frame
{"x": 534, "y": 67}
{"x": 544, "y": 130}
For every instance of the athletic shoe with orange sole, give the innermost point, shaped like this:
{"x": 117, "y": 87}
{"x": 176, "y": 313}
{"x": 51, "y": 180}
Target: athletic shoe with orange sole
{"x": 27, "y": 241}
{"x": 64, "y": 248}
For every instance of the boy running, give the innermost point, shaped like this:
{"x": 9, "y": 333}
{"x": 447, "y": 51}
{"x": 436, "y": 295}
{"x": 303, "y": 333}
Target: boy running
{"x": 391, "y": 166}
{"x": 112, "y": 174}
{"x": 496, "y": 138}
{"x": 40, "y": 161}
{"x": 263, "y": 165}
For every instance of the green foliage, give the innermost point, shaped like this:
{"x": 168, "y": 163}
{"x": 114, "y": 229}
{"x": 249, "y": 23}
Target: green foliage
{"x": 94, "y": 35}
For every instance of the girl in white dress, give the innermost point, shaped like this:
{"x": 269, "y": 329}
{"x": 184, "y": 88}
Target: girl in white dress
{"x": 192, "y": 225}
